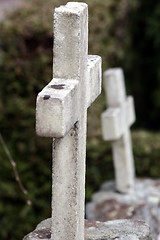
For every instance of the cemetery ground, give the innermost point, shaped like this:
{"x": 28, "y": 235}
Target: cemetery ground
{"x": 29, "y": 64}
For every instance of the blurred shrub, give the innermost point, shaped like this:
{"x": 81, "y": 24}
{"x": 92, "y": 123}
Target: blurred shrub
{"x": 25, "y": 68}
{"x": 146, "y": 150}
{"x": 142, "y": 61}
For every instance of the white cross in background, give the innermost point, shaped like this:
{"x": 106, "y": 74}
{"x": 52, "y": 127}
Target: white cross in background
{"x": 116, "y": 121}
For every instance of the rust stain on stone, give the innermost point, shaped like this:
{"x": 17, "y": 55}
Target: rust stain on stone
{"x": 46, "y": 97}
{"x": 112, "y": 209}
{"x": 94, "y": 224}
{"x": 43, "y": 234}
{"x": 58, "y": 86}
{"x": 157, "y": 183}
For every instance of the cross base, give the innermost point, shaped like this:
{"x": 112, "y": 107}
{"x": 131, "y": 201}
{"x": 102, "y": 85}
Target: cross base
{"x": 118, "y": 229}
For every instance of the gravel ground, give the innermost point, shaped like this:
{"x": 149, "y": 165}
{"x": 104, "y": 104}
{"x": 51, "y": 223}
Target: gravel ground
{"x": 8, "y": 6}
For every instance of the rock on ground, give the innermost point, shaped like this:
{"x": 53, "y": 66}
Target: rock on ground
{"x": 142, "y": 204}
{"x": 112, "y": 230}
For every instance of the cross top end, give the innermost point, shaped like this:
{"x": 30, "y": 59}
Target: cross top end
{"x": 70, "y": 40}
{"x": 73, "y": 7}
{"x": 114, "y": 87}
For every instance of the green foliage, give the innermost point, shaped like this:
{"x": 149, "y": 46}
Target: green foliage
{"x": 146, "y": 148}
{"x": 26, "y": 67}
{"x": 142, "y": 65}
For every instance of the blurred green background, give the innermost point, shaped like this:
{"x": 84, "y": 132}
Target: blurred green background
{"x": 125, "y": 33}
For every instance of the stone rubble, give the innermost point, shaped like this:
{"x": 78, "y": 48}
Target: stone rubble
{"x": 142, "y": 204}
{"x": 112, "y": 230}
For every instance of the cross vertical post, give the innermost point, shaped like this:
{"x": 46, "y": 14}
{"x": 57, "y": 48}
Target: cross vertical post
{"x": 116, "y": 121}
{"x": 61, "y": 113}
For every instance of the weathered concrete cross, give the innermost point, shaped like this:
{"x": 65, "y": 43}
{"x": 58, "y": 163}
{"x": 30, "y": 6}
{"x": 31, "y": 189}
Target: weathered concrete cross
{"x": 116, "y": 121}
{"x": 61, "y": 113}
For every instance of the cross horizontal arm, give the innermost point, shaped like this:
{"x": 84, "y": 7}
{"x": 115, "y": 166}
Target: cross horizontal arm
{"x": 57, "y": 104}
{"x": 57, "y": 108}
{"x": 94, "y": 77}
{"x": 131, "y": 116}
{"x": 112, "y": 118}
{"x": 118, "y": 119}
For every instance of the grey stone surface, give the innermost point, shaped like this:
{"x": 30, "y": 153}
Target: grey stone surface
{"x": 142, "y": 204}
{"x": 112, "y": 230}
{"x": 61, "y": 113}
{"x": 116, "y": 121}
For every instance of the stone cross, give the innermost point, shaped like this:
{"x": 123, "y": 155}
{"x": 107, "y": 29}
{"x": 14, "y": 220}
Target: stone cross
{"x": 61, "y": 113}
{"x": 116, "y": 121}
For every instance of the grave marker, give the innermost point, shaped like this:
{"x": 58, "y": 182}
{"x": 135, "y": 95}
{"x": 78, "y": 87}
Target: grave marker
{"x": 61, "y": 113}
{"x": 116, "y": 121}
